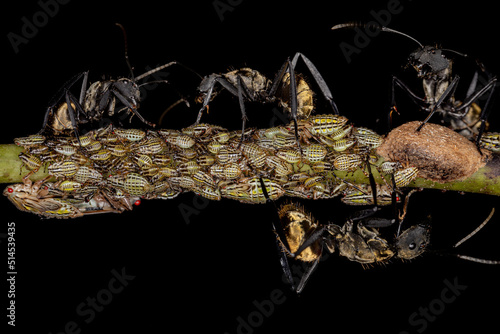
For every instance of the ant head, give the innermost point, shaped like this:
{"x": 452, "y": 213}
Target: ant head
{"x": 207, "y": 86}
{"x": 129, "y": 89}
{"x": 413, "y": 241}
{"x": 428, "y": 61}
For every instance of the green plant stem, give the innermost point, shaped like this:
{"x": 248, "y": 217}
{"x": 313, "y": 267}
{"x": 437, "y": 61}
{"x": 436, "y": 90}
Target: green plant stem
{"x": 10, "y": 165}
{"x": 485, "y": 181}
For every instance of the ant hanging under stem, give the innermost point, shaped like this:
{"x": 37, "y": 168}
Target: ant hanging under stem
{"x": 301, "y": 238}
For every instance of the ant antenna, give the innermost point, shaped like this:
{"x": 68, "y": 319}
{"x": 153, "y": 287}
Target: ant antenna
{"x": 401, "y": 216}
{"x": 159, "y": 68}
{"x": 126, "y": 49}
{"x": 376, "y": 26}
{"x": 181, "y": 100}
{"x": 475, "y": 259}
{"x": 154, "y": 70}
{"x": 458, "y": 53}
{"x": 476, "y": 230}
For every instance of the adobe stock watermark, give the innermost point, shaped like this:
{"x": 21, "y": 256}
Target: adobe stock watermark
{"x": 198, "y": 204}
{"x": 223, "y": 6}
{"x": 88, "y": 309}
{"x": 364, "y": 36}
{"x": 264, "y": 309}
{"x": 149, "y": 84}
{"x": 152, "y": 81}
{"x": 31, "y": 26}
{"x": 419, "y": 320}
{"x": 278, "y": 115}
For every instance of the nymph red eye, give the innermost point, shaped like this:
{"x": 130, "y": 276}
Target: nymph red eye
{"x": 10, "y": 190}
{"x": 137, "y": 203}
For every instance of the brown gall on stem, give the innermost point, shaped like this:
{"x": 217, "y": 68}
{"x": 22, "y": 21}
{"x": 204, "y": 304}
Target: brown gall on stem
{"x": 440, "y": 154}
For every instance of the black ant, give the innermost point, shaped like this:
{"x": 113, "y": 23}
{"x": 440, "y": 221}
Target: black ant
{"x": 301, "y": 238}
{"x": 439, "y": 85}
{"x": 100, "y": 99}
{"x": 288, "y": 89}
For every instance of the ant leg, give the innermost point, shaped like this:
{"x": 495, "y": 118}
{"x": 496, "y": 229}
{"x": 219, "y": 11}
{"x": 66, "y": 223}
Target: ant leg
{"x": 383, "y": 222}
{"x": 307, "y": 274}
{"x": 48, "y": 112}
{"x": 464, "y": 107}
{"x": 281, "y": 241}
{"x": 490, "y": 86}
{"x": 318, "y": 78}
{"x": 71, "y": 113}
{"x": 208, "y": 96}
{"x": 309, "y": 240}
{"x": 62, "y": 91}
{"x": 373, "y": 185}
{"x": 242, "y": 92}
{"x": 447, "y": 93}
{"x": 83, "y": 90}
{"x": 61, "y": 94}
{"x": 132, "y": 108}
{"x": 394, "y": 201}
{"x": 242, "y": 108}
{"x": 414, "y": 97}
{"x": 213, "y": 80}
{"x": 310, "y": 267}
{"x": 278, "y": 79}
{"x": 293, "y": 102}
{"x": 362, "y": 214}
{"x": 272, "y": 207}
{"x": 288, "y": 67}
{"x": 485, "y": 113}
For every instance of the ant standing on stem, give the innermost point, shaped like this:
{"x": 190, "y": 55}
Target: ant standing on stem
{"x": 100, "y": 99}
{"x": 439, "y": 85}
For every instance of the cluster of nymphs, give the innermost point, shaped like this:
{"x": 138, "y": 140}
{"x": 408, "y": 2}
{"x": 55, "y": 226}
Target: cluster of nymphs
{"x": 110, "y": 169}
{"x": 491, "y": 141}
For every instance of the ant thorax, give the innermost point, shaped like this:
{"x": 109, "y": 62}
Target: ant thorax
{"x": 435, "y": 84}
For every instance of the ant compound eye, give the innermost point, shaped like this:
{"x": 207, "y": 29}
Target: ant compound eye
{"x": 412, "y": 246}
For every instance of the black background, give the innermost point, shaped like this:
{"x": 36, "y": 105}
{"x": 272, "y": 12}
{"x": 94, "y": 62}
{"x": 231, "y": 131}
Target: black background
{"x": 205, "y": 273}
